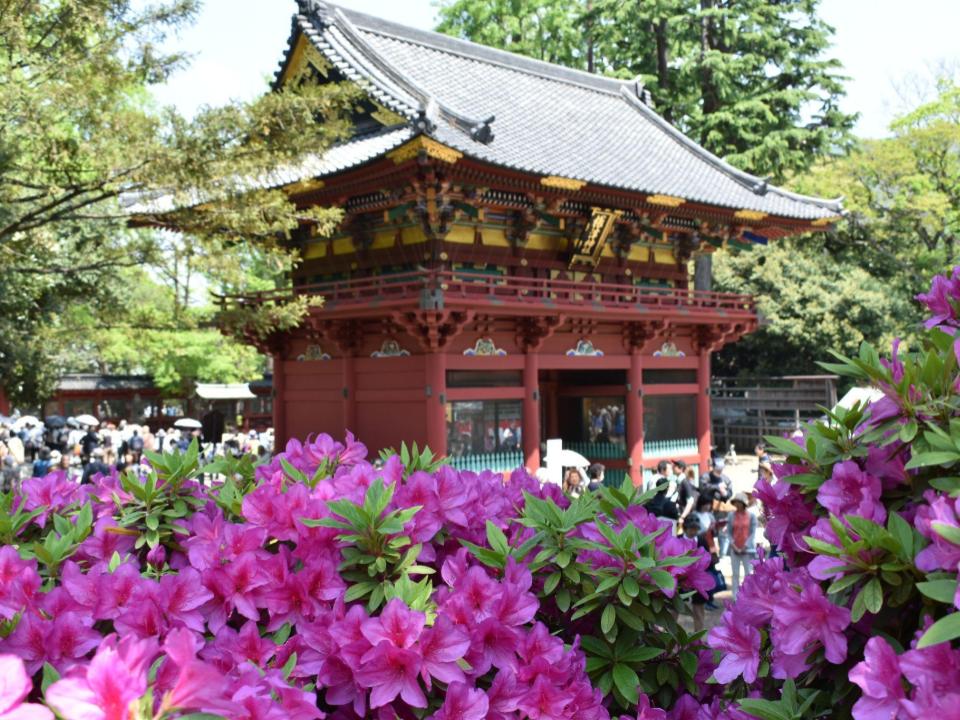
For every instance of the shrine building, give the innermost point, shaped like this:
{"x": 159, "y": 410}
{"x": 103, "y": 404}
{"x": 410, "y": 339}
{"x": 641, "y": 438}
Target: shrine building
{"x": 513, "y": 262}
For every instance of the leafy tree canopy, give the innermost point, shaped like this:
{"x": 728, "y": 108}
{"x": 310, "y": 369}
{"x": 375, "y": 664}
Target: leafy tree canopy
{"x": 82, "y": 147}
{"x": 857, "y": 282}
{"x": 750, "y": 80}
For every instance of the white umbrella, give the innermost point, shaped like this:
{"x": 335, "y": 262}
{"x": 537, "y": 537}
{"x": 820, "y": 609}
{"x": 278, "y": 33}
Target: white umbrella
{"x": 89, "y": 420}
{"x": 25, "y": 421}
{"x": 568, "y": 458}
{"x": 188, "y": 424}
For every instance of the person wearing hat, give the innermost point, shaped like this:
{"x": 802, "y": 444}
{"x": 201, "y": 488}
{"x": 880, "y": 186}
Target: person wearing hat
{"x": 741, "y": 531}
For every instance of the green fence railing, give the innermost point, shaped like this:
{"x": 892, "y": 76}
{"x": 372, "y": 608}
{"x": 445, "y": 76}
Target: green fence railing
{"x": 670, "y": 448}
{"x": 598, "y": 451}
{"x": 505, "y": 461}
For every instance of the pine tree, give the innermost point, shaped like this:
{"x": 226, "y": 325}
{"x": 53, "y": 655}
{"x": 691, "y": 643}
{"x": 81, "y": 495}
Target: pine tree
{"x": 750, "y": 80}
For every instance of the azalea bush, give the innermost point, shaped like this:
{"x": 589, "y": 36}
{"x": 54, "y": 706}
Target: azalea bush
{"x": 318, "y": 585}
{"x": 857, "y": 615}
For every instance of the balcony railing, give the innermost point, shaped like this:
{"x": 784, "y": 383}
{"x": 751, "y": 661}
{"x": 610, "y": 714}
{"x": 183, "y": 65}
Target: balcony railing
{"x": 466, "y": 288}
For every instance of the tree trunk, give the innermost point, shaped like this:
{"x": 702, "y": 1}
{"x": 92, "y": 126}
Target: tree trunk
{"x": 708, "y": 90}
{"x": 703, "y": 272}
{"x": 659, "y": 30}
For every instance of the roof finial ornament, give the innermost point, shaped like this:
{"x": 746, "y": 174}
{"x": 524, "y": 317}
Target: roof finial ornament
{"x": 641, "y": 91}
{"x": 314, "y": 7}
{"x": 761, "y": 187}
{"x": 482, "y": 132}
{"x": 425, "y": 121}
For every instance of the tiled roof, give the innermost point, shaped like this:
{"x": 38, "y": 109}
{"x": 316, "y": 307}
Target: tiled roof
{"x": 532, "y": 116}
{"x": 81, "y": 382}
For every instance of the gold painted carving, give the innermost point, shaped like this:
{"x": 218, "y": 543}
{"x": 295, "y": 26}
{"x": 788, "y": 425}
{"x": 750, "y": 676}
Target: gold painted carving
{"x": 562, "y": 183}
{"x": 302, "y": 186}
{"x": 823, "y": 222}
{"x": 602, "y": 222}
{"x": 665, "y": 200}
{"x": 749, "y": 215}
{"x": 432, "y": 148}
{"x": 305, "y": 57}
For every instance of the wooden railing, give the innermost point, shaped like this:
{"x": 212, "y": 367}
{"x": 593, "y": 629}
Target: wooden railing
{"x": 481, "y": 288}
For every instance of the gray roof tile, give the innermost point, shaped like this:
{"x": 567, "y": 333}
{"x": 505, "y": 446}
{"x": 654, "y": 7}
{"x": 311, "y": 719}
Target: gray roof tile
{"x": 549, "y": 120}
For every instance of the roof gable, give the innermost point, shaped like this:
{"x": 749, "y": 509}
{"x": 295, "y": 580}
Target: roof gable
{"x": 532, "y": 116}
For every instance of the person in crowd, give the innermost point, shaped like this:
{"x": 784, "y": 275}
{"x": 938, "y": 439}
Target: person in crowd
{"x": 693, "y": 531}
{"x": 88, "y": 443}
{"x": 98, "y": 465}
{"x": 741, "y": 531}
{"x": 63, "y": 463}
{"x": 717, "y": 487}
{"x": 9, "y": 471}
{"x": 573, "y": 482}
{"x": 135, "y": 445}
{"x": 595, "y": 475}
{"x": 41, "y": 466}
{"x": 664, "y": 508}
{"x": 664, "y": 474}
{"x": 687, "y": 493}
{"x": 766, "y": 472}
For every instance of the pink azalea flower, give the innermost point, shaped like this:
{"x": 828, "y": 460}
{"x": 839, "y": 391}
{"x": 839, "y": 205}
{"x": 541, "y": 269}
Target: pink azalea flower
{"x": 181, "y": 596}
{"x": 195, "y": 685}
{"x": 440, "y": 647}
{"x": 940, "y": 554}
{"x": 463, "y": 703}
{"x": 103, "y": 690}
{"x": 397, "y": 624}
{"x": 61, "y": 641}
{"x": 234, "y": 587}
{"x": 19, "y": 582}
{"x": 492, "y": 644}
{"x": 808, "y": 617}
{"x": 390, "y": 671}
{"x": 645, "y": 711}
{"x": 878, "y": 676}
{"x": 739, "y": 646}
{"x": 789, "y": 516}
{"x": 851, "y": 491}
{"x": 941, "y": 300}
{"x": 544, "y": 701}
{"x": 15, "y": 685}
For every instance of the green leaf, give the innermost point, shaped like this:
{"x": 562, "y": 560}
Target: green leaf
{"x": 937, "y": 457}
{"x": 688, "y": 661}
{"x": 765, "y": 709}
{"x": 640, "y": 654}
{"x": 940, "y": 590}
{"x": 551, "y": 583}
{"x": 50, "y": 676}
{"x": 909, "y": 431}
{"x": 608, "y": 618}
{"x": 289, "y": 666}
{"x": 626, "y": 681}
{"x": 943, "y": 630}
{"x": 873, "y": 596}
{"x": 950, "y": 533}
{"x": 496, "y": 539}
{"x": 595, "y": 646}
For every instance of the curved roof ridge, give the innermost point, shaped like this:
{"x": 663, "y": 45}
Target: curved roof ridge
{"x": 362, "y": 53}
{"x": 482, "y": 53}
{"x": 757, "y": 185}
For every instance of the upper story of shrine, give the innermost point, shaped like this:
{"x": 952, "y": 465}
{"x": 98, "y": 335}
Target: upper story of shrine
{"x": 480, "y": 178}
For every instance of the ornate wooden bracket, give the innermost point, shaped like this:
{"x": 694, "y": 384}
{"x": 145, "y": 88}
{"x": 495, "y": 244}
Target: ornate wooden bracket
{"x": 346, "y": 335}
{"x": 638, "y": 336}
{"x": 433, "y": 329}
{"x": 532, "y": 331}
{"x": 273, "y": 344}
{"x": 710, "y": 338}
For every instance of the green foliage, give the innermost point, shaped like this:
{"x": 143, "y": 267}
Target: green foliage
{"x": 414, "y": 459}
{"x": 82, "y": 148}
{"x": 60, "y": 543}
{"x": 160, "y": 498}
{"x": 630, "y": 599}
{"x": 751, "y": 81}
{"x": 379, "y": 559}
{"x": 792, "y": 705}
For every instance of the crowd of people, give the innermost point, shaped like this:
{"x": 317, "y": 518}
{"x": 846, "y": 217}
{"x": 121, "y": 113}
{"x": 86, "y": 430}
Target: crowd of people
{"x": 83, "y": 450}
{"x": 725, "y": 523}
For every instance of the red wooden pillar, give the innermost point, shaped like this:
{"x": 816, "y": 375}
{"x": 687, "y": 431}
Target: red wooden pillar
{"x": 5, "y": 404}
{"x": 349, "y": 393}
{"x": 703, "y": 407}
{"x": 635, "y": 417}
{"x": 279, "y": 404}
{"x": 531, "y": 411}
{"x": 436, "y": 391}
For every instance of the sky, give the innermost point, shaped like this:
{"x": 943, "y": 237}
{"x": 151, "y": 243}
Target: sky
{"x": 890, "y": 50}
